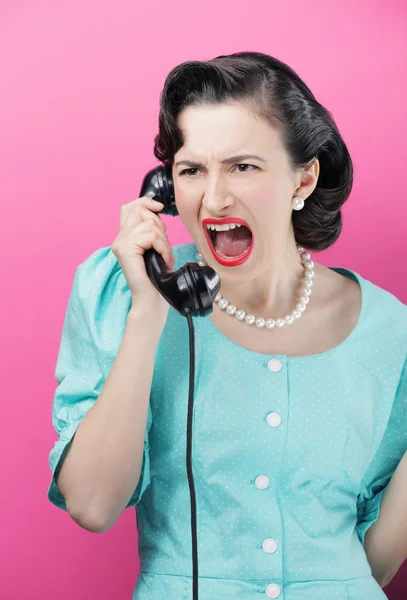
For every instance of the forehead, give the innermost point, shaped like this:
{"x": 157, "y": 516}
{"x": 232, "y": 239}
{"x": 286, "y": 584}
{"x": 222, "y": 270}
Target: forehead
{"x": 224, "y": 130}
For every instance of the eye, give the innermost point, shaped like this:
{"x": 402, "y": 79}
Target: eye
{"x": 245, "y": 168}
{"x": 241, "y": 168}
{"x": 188, "y": 172}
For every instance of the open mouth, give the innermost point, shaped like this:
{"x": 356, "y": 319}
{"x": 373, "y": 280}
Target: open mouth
{"x": 230, "y": 242}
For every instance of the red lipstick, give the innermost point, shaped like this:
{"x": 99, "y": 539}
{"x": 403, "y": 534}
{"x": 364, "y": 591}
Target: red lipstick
{"x": 234, "y": 261}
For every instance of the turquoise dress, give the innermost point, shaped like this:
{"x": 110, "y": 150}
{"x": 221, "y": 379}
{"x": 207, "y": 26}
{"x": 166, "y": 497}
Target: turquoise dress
{"x": 291, "y": 455}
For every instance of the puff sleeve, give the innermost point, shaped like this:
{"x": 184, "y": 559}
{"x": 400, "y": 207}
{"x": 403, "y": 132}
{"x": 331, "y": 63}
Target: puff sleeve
{"x": 391, "y": 450}
{"x": 81, "y": 367}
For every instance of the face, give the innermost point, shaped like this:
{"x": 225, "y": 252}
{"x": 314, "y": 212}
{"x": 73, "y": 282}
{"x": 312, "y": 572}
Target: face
{"x": 231, "y": 170}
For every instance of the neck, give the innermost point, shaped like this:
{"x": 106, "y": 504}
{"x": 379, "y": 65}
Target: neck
{"x": 275, "y": 290}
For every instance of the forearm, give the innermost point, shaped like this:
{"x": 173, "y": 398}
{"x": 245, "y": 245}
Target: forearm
{"x": 386, "y": 539}
{"x": 102, "y": 468}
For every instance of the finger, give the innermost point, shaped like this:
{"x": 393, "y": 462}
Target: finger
{"x": 128, "y": 209}
{"x": 156, "y": 240}
{"x": 138, "y": 214}
{"x": 143, "y": 215}
{"x": 150, "y": 226}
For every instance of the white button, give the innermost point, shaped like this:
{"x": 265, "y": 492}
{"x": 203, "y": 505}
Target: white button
{"x": 273, "y": 419}
{"x": 262, "y": 482}
{"x": 274, "y": 365}
{"x": 273, "y": 590}
{"x": 269, "y": 546}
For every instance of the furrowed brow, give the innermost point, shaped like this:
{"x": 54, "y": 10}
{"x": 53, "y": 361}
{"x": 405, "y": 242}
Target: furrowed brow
{"x": 233, "y": 159}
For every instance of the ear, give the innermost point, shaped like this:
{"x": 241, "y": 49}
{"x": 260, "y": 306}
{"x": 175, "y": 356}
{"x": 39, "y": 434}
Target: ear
{"x": 307, "y": 180}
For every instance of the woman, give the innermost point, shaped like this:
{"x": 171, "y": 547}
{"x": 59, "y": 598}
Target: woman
{"x": 301, "y": 380}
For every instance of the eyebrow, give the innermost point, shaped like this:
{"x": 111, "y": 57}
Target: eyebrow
{"x": 227, "y": 161}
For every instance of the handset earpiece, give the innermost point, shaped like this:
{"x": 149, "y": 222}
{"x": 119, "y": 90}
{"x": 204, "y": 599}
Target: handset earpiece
{"x": 190, "y": 289}
{"x": 158, "y": 184}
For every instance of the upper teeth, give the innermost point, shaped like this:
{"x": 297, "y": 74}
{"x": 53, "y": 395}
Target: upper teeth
{"x": 224, "y": 227}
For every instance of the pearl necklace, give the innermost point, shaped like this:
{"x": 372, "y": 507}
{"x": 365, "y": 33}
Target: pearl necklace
{"x": 260, "y": 322}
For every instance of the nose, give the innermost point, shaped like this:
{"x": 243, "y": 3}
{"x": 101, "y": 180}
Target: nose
{"x": 217, "y": 198}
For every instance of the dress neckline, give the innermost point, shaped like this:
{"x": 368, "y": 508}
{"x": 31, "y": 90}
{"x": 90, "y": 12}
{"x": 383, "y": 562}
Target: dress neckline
{"x": 341, "y": 346}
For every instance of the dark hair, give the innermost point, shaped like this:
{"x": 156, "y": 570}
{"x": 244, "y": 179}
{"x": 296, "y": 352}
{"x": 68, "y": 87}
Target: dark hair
{"x": 277, "y": 94}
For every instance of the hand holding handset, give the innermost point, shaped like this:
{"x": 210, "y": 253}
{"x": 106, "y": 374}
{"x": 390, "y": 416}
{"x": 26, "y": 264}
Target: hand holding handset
{"x": 191, "y": 288}
{"x": 145, "y": 255}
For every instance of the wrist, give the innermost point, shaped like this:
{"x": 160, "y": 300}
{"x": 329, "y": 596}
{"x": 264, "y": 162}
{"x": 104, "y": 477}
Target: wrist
{"x": 142, "y": 319}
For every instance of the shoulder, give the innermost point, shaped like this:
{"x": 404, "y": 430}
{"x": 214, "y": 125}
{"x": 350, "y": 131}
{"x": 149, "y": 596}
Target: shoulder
{"x": 102, "y": 299}
{"x": 377, "y": 303}
{"x": 383, "y": 322}
{"x": 384, "y": 307}
{"x": 101, "y": 269}
{"x": 98, "y": 267}
{"x": 378, "y": 317}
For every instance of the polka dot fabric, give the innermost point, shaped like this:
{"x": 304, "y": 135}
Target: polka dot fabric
{"x": 291, "y": 455}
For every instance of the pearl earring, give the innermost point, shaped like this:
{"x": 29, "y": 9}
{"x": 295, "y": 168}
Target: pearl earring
{"x": 298, "y": 204}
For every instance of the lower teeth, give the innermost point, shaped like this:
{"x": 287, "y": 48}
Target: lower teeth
{"x": 226, "y": 256}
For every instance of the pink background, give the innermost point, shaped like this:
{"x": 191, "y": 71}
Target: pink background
{"x": 80, "y": 83}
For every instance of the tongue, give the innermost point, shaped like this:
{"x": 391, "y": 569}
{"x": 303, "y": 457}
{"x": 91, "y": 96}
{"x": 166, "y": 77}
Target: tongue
{"x": 234, "y": 241}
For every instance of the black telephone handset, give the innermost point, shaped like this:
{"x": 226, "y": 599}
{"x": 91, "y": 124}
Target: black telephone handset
{"x": 190, "y": 289}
